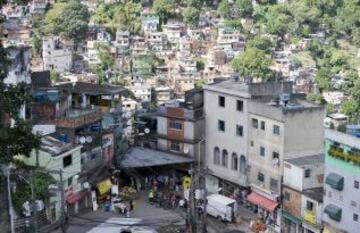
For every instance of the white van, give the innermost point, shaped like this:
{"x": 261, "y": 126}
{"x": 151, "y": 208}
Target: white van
{"x": 221, "y": 207}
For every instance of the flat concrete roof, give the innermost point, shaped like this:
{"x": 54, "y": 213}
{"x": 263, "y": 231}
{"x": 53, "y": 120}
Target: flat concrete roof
{"x": 306, "y": 160}
{"x": 144, "y": 157}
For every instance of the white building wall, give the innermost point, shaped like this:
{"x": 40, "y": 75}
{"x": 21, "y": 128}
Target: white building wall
{"x": 293, "y": 176}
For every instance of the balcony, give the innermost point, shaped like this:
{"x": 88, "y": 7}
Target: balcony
{"x": 76, "y": 118}
{"x": 350, "y": 156}
{"x": 310, "y": 217}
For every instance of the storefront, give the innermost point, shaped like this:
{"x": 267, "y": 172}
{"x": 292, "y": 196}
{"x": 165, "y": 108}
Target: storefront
{"x": 266, "y": 205}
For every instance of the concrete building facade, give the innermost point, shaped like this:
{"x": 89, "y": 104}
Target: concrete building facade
{"x": 342, "y": 176}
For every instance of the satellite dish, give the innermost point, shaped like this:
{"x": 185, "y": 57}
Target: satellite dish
{"x": 89, "y": 139}
{"x": 186, "y": 150}
{"x": 147, "y": 130}
{"x": 86, "y": 185}
{"x": 82, "y": 140}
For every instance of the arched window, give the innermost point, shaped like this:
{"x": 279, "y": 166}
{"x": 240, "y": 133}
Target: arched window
{"x": 234, "y": 161}
{"x": 225, "y": 158}
{"x": 216, "y": 155}
{"x": 242, "y": 164}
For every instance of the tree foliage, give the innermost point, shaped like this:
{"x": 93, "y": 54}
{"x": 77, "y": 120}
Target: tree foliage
{"x": 260, "y": 42}
{"x": 191, "y": 17}
{"x": 68, "y": 20}
{"x": 15, "y": 138}
{"x": 224, "y": 9}
{"x": 254, "y": 63}
{"x": 164, "y": 8}
{"x": 244, "y": 8}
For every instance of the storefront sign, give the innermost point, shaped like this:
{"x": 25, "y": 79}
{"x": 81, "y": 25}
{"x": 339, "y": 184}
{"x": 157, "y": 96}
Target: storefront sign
{"x": 104, "y": 186}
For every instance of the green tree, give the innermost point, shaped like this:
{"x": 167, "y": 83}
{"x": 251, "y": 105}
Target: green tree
{"x": 234, "y": 23}
{"x": 103, "y": 54}
{"x": 279, "y": 20}
{"x": 244, "y": 8}
{"x": 224, "y": 9}
{"x": 68, "y": 20}
{"x": 194, "y": 3}
{"x": 315, "y": 97}
{"x": 191, "y": 17}
{"x": 164, "y": 8}
{"x": 350, "y": 108}
{"x": 260, "y": 42}
{"x": 254, "y": 63}
{"x": 17, "y": 138}
{"x": 323, "y": 79}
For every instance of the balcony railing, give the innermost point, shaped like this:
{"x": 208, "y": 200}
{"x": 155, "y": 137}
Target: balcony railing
{"x": 310, "y": 217}
{"x": 79, "y": 117}
{"x": 346, "y": 156}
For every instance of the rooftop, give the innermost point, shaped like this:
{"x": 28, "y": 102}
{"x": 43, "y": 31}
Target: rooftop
{"x": 54, "y": 146}
{"x": 91, "y": 88}
{"x": 314, "y": 193}
{"x": 144, "y": 157}
{"x": 307, "y": 160}
{"x": 343, "y": 138}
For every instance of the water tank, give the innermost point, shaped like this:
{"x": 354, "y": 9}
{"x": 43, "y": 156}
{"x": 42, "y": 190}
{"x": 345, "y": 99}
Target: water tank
{"x": 63, "y": 138}
{"x": 353, "y": 130}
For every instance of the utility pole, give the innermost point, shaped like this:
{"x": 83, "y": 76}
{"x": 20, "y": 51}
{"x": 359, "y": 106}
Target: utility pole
{"x": 33, "y": 202}
{"x": 63, "y": 220}
{"x": 11, "y": 213}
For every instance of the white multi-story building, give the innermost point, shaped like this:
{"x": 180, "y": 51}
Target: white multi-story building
{"x": 56, "y": 56}
{"x": 250, "y": 129}
{"x": 141, "y": 90}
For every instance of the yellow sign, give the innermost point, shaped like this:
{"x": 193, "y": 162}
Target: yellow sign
{"x": 104, "y": 186}
{"x": 310, "y": 217}
{"x": 186, "y": 182}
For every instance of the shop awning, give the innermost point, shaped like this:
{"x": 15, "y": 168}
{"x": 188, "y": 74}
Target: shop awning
{"x": 335, "y": 181}
{"x": 333, "y": 211}
{"x": 73, "y": 198}
{"x": 262, "y": 202}
{"x": 104, "y": 186}
{"x": 143, "y": 157}
{"x": 291, "y": 217}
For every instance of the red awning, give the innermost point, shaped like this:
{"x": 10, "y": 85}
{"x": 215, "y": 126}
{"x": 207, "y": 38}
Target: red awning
{"x": 73, "y": 198}
{"x": 262, "y": 202}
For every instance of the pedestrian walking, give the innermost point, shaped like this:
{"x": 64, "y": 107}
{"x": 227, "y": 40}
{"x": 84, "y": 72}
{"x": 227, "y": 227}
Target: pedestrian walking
{"x": 131, "y": 204}
{"x": 151, "y": 196}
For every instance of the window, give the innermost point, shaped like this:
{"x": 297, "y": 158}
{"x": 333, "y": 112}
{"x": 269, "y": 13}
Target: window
{"x": 240, "y": 105}
{"x": 254, "y": 123}
{"x": 175, "y": 146}
{"x": 309, "y": 205}
{"x": 355, "y": 217}
{"x": 286, "y": 195}
{"x": 239, "y": 130}
{"x": 274, "y": 184}
{"x": 221, "y": 125}
{"x": 175, "y": 125}
{"x": 252, "y": 143}
{"x": 225, "y": 158}
{"x": 67, "y": 161}
{"x": 262, "y": 125}
{"x": 262, "y": 151}
{"x": 216, "y": 155}
{"x": 221, "y": 101}
{"x": 234, "y": 162}
{"x": 261, "y": 177}
{"x": 275, "y": 155}
{"x": 356, "y": 184}
{"x": 307, "y": 173}
{"x": 353, "y": 203}
{"x": 276, "y": 129}
{"x": 70, "y": 180}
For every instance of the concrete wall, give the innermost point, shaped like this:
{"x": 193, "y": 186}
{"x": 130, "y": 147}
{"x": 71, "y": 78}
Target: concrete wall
{"x": 293, "y": 176}
{"x": 304, "y": 133}
{"x": 228, "y": 139}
